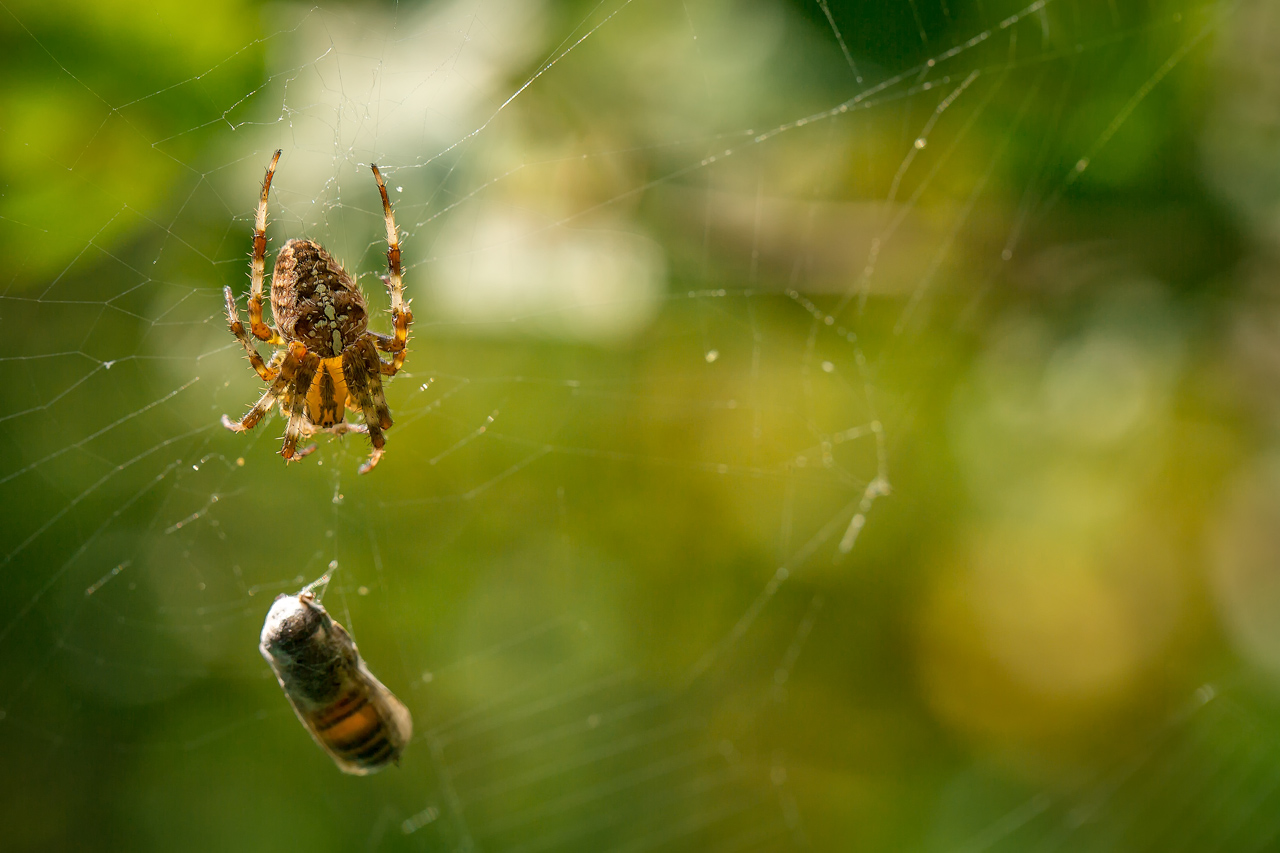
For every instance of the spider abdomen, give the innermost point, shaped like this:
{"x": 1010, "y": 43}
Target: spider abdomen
{"x": 315, "y": 301}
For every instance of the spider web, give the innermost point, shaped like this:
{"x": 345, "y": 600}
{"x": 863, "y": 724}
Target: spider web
{"x": 659, "y": 556}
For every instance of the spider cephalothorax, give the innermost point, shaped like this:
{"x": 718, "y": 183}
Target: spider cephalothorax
{"x": 328, "y": 361}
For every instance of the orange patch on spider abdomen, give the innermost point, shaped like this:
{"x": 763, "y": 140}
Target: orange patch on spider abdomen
{"x": 327, "y": 397}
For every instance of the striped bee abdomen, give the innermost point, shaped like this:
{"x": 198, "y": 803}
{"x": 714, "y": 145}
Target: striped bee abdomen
{"x": 349, "y": 712}
{"x": 354, "y": 729}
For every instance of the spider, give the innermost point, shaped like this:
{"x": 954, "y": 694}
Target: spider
{"x": 328, "y": 359}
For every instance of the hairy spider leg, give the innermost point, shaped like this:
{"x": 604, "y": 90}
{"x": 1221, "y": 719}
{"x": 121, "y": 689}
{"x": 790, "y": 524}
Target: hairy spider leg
{"x": 285, "y": 366}
{"x": 237, "y": 328}
{"x": 360, "y": 365}
{"x": 296, "y": 402}
{"x": 382, "y": 412}
{"x": 400, "y": 313}
{"x": 260, "y": 329}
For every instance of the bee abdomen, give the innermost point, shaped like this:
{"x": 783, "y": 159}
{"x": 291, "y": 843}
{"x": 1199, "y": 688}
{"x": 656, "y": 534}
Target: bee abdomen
{"x": 340, "y": 711}
{"x": 354, "y": 730}
{"x": 374, "y": 750}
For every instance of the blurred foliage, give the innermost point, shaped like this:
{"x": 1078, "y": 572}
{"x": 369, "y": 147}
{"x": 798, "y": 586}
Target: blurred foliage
{"x": 684, "y": 323}
{"x": 93, "y": 91}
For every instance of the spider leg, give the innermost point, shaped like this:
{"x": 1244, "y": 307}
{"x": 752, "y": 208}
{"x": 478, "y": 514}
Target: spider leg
{"x": 372, "y": 364}
{"x": 375, "y": 456}
{"x": 296, "y": 402}
{"x": 400, "y": 313}
{"x": 344, "y": 428}
{"x": 360, "y": 367}
{"x": 308, "y": 429}
{"x": 260, "y": 329}
{"x": 385, "y": 343}
{"x": 237, "y": 329}
{"x": 284, "y": 365}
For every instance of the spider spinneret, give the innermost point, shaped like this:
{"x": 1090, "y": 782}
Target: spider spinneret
{"x": 328, "y": 359}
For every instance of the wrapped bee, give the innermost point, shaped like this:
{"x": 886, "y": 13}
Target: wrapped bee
{"x": 354, "y": 718}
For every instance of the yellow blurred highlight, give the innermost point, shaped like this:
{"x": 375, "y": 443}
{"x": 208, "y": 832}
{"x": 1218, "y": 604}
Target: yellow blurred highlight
{"x": 1245, "y": 563}
{"x": 1031, "y": 634}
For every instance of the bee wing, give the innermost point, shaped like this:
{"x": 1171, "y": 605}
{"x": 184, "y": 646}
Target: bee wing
{"x": 391, "y": 709}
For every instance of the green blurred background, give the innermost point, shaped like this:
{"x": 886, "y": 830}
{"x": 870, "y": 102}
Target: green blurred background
{"x": 846, "y": 426}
